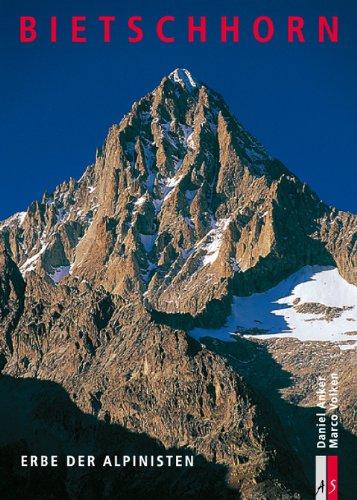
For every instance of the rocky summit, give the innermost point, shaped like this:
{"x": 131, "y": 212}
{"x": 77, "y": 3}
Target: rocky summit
{"x": 102, "y": 280}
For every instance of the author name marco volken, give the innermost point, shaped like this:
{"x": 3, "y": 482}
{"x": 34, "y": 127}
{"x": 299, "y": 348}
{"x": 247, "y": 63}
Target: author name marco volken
{"x": 107, "y": 461}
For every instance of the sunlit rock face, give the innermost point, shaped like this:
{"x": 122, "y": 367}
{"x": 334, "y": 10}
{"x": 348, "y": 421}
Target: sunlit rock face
{"x": 181, "y": 206}
{"x": 180, "y": 223}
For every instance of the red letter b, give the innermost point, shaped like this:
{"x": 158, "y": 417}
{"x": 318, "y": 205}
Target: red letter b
{"x": 27, "y": 29}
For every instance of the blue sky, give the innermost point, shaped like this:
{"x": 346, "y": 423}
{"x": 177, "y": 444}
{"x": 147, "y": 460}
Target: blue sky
{"x": 58, "y": 100}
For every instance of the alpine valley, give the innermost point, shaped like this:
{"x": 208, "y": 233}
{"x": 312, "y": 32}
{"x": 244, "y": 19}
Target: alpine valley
{"x": 182, "y": 297}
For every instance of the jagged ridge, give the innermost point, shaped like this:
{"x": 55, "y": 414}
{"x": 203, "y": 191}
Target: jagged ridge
{"x": 180, "y": 196}
{"x": 181, "y": 208}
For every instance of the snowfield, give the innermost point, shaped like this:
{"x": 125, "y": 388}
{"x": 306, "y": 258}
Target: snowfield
{"x": 59, "y": 273}
{"x": 273, "y": 313}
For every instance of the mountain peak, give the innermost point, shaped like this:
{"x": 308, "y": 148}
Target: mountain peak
{"x": 178, "y": 191}
{"x": 184, "y": 78}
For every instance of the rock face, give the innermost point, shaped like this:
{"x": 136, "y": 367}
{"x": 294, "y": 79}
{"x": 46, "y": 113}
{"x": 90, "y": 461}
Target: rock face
{"x": 117, "y": 365}
{"x": 290, "y": 369}
{"x": 181, "y": 208}
{"x": 12, "y": 291}
{"x": 180, "y": 197}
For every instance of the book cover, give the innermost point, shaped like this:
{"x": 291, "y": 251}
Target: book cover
{"x": 178, "y": 300}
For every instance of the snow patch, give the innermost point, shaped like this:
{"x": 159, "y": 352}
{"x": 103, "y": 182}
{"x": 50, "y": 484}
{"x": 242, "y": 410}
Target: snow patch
{"x": 184, "y": 78}
{"x": 347, "y": 347}
{"x": 216, "y": 238}
{"x": 148, "y": 241}
{"x": 140, "y": 201}
{"x": 169, "y": 185}
{"x": 150, "y": 182}
{"x": 30, "y": 264}
{"x": 190, "y": 142}
{"x": 59, "y": 273}
{"x": 190, "y": 195}
{"x": 21, "y": 217}
{"x": 17, "y": 218}
{"x": 150, "y": 269}
{"x": 187, "y": 132}
{"x": 157, "y": 204}
{"x": 174, "y": 181}
{"x": 149, "y": 156}
{"x": 273, "y": 311}
{"x": 61, "y": 214}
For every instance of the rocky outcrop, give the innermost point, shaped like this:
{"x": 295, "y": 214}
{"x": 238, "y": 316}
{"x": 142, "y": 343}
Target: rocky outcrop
{"x": 12, "y": 292}
{"x": 286, "y": 371}
{"x": 119, "y": 366}
{"x": 99, "y": 280}
{"x": 181, "y": 207}
{"x": 339, "y": 234}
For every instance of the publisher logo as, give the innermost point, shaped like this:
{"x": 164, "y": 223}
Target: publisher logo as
{"x": 326, "y": 477}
